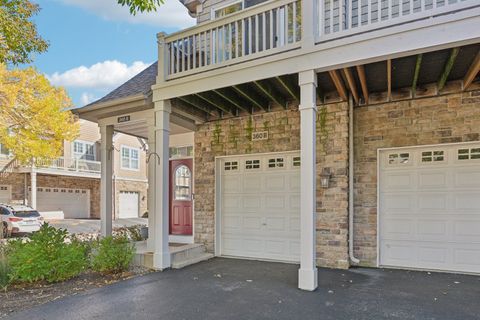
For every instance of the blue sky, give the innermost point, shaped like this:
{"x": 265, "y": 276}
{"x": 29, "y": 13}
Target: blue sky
{"x": 96, "y": 45}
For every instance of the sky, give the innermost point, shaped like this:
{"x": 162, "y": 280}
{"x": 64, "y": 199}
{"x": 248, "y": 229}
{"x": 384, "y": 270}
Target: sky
{"x": 96, "y": 45}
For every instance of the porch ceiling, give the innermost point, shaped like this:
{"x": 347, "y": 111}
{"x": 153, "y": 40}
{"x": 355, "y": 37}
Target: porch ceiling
{"x": 391, "y": 80}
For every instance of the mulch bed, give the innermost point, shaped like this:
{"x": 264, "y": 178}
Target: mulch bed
{"x": 23, "y": 296}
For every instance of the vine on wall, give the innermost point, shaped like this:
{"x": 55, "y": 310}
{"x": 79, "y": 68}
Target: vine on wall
{"x": 322, "y": 122}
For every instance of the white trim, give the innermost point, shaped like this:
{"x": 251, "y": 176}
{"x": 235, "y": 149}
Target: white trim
{"x": 131, "y": 179}
{"x": 180, "y": 239}
{"x": 84, "y": 154}
{"x": 217, "y": 196}
{"x": 123, "y": 146}
{"x": 223, "y": 6}
{"x": 379, "y": 150}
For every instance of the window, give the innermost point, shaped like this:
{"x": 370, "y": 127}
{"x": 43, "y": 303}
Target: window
{"x": 228, "y": 9}
{"x": 296, "y": 161}
{"x": 231, "y": 165}
{"x": 181, "y": 152}
{"x": 4, "y": 152}
{"x": 469, "y": 154}
{"x": 84, "y": 150}
{"x": 399, "y": 158}
{"x": 183, "y": 181}
{"x": 433, "y": 156}
{"x": 130, "y": 158}
{"x": 252, "y": 164}
{"x": 275, "y": 163}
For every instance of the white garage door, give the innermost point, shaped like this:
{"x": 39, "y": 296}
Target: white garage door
{"x": 260, "y": 206}
{"x": 5, "y": 194}
{"x": 75, "y": 203}
{"x": 128, "y": 205}
{"x": 430, "y": 208}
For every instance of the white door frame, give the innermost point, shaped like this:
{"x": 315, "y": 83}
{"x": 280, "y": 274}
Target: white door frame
{"x": 381, "y": 150}
{"x": 218, "y": 192}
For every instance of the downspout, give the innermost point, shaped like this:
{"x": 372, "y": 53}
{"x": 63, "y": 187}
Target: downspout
{"x": 351, "y": 173}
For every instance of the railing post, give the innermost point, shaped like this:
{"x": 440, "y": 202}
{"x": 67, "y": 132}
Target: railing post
{"x": 309, "y": 22}
{"x": 162, "y": 57}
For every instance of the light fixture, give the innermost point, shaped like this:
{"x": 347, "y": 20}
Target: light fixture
{"x": 325, "y": 178}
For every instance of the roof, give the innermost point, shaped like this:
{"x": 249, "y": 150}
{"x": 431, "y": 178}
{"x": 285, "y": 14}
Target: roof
{"x": 191, "y": 5}
{"x": 140, "y": 84}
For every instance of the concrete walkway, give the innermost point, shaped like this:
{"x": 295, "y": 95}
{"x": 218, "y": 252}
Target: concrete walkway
{"x": 91, "y": 225}
{"x": 242, "y": 289}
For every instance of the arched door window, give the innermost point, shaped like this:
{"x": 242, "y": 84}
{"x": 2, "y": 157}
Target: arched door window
{"x": 183, "y": 183}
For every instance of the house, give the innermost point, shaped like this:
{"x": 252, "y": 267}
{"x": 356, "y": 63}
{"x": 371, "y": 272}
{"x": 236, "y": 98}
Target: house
{"x": 324, "y": 132}
{"x": 69, "y": 187}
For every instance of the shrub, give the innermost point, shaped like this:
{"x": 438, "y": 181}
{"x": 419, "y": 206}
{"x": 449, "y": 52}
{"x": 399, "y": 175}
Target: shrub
{"x": 112, "y": 254}
{"x": 47, "y": 255}
{"x": 4, "y": 269}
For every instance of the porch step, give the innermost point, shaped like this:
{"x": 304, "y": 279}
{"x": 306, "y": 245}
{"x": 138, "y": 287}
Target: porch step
{"x": 180, "y": 256}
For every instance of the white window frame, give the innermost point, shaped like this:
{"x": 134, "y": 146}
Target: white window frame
{"x": 130, "y": 149}
{"x": 223, "y": 6}
{"x": 84, "y": 155}
{"x": 3, "y": 155}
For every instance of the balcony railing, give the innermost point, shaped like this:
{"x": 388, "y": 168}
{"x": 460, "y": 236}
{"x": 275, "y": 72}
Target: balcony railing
{"x": 71, "y": 165}
{"x": 276, "y": 26}
{"x": 258, "y": 31}
{"x": 341, "y": 18}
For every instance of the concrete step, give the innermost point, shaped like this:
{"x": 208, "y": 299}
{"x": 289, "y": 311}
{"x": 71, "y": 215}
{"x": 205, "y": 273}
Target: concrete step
{"x": 180, "y": 256}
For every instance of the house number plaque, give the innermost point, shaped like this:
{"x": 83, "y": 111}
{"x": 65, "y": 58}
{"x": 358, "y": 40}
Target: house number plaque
{"x": 262, "y": 135}
{"x": 123, "y": 119}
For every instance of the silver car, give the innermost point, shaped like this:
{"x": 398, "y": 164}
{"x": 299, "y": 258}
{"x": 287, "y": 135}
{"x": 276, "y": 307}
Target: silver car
{"x": 19, "y": 219}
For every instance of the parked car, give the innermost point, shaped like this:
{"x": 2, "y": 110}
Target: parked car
{"x": 19, "y": 219}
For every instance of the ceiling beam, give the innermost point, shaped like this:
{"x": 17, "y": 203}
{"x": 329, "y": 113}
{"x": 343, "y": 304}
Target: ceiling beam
{"x": 292, "y": 91}
{"x": 252, "y": 97}
{"x": 182, "y": 122}
{"x": 351, "y": 84}
{"x": 363, "y": 81}
{"x": 337, "y": 81}
{"x": 209, "y": 98}
{"x": 271, "y": 94}
{"x": 197, "y": 103}
{"x": 472, "y": 72}
{"x": 389, "y": 79}
{"x": 232, "y": 99}
{"x": 416, "y": 73}
{"x": 192, "y": 114}
{"x": 448, "y": 68}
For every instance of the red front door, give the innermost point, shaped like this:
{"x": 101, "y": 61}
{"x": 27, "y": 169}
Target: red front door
{"x": 181, "y": 177}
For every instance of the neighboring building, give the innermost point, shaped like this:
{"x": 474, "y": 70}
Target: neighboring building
{"x": 325, "y": 133}
{"x": 70, "y": 185}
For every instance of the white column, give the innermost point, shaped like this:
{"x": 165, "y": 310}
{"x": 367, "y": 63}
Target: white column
{"x": 33, "y": 188}
{"x": 307, "y": 275}
{"x": 161, "y": 257}
{"x": 309, "y": 22}
{"x": 152, "y": 158}
{"x": 106, "y": 194}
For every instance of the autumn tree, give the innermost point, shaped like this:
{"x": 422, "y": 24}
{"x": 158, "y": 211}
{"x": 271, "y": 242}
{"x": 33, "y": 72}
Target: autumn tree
{"x": 136, "y": 6}
{"x": 34, "y": 116}
{"x": 19, "y": 38}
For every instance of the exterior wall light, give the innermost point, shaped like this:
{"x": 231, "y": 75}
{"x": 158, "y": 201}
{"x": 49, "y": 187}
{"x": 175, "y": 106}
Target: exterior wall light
{"x": 325, "y": 178}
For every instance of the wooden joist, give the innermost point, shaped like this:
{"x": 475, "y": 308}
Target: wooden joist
{"x": 352, "y": 84}
{"x": 212, "y": 100}
{"x": 447, "y": 68}
{"x": 472, "y": 72}
{"x": 389, "y": 79}
{"x": 337, "y": 81}
{"x": 250, "y": 96}
{"x": 363, "y": 81}
{"x": 232, "y": 99}
{"x": 198, "y": 104}
{"x": 271, "y": 94}
{"x": 292, "y": 91}
{"x": 416, "y": 73}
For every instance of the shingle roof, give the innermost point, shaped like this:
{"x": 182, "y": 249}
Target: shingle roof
{"x": 140, "y": 84}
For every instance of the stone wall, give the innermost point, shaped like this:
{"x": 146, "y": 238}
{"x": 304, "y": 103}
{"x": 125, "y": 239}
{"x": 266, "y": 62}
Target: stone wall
{"x": 444, "y": 119}
{"x": 232, "y": 136}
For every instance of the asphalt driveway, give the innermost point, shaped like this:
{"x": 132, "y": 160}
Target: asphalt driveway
{"x": 241, "y": 289}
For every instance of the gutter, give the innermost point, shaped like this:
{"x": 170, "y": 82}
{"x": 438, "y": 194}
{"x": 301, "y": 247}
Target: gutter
{"x": 351, "y": 172}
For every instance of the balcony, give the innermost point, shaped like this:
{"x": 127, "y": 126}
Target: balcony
{"x": 66, "y": 166}
{"x": 275, "y": 28}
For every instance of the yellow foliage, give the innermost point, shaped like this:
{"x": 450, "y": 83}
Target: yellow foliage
{"x": 34, "y": 115}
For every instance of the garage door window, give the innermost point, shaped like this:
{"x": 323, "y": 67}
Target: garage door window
{"x": 468, "y": 154}
{"x": 296, "y": 162}
{"x": 183, "y": 178}
{"x": 398, "y": 158}
{"x": 433, "y": 156}
{"x": 231, "y": 165}
{"x": 275, "y": 163}
{"x": 252, "y": 164}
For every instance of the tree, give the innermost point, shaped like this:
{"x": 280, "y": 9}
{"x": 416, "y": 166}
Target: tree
{"x": 34, "y": 116}
{"x": 18, "y": 34}
{"x": 141, "y": 5}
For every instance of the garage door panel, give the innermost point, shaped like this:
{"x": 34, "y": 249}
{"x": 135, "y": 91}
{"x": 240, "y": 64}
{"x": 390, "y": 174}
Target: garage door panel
{"x": 429, "y": 214}
{"x": 231, "y": 183}
{"x": 75, "y": 203}
{"x": 129, "y": 207}
{"x": 261, "y": 220}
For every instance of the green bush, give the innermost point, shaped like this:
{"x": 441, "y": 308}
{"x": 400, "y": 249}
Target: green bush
{"x": 112, "y": 254}
{"x": 48, "y": 255}
{"x": 4, "y": 269}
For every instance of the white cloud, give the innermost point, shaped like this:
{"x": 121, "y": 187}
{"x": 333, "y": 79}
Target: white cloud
{"x": 172, "y": 14}
{"x": 104, "y": 75}
{"x": 86, "y": 98}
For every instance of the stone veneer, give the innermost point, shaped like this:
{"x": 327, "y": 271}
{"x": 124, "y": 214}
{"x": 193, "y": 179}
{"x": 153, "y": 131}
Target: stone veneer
{"x": 443, "y": 119}
{"x": 231, "y": 137}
